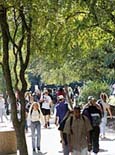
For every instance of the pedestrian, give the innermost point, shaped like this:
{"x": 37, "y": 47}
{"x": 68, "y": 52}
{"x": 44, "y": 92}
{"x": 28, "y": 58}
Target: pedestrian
{"x": 61, "y": 109}
{"x": 93, "y": 111}
{"x": 63, "y": 135}
{"x": 61, "y": 112}
{"x": 35, "y": 115}
{"x": 106, "y": 109}
{"x": 77, "y": 129}
{"x": 46, "y": 102}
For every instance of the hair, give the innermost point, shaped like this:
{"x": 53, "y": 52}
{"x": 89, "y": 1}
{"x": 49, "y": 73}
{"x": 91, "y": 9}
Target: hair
{"x": 103, "y": 96}
{"x": 77, "y": 107}
{"x": 35, "y": 104}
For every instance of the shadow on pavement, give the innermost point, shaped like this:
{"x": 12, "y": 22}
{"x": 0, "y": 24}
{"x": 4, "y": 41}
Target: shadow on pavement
{"x": 39, "y": 153}
{"x": 107, "y": 139}
{"x": 102, "y": 150}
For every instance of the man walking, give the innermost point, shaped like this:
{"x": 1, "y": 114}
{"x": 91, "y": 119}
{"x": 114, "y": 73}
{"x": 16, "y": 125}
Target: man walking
{"x": 93, "y": 111}
{"x": 78, "y": 133}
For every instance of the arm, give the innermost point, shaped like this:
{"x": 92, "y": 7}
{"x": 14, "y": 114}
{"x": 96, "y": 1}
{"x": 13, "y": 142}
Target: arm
{"x": 56, "y": 120}
{"x": 109, "y": 111}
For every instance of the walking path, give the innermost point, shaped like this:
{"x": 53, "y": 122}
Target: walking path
{"x": 50, "y": 142}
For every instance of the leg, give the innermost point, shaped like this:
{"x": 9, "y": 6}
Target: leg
{"x": 44, "y": 114}
{"x": 84, "y": 151}
{"x": 95, "y": 139}
{"x": 38, "y": 127}
{"x": 45, "y": 119}
{"x": 48, "y": 118}
{"x": 65, "y": 149}
{"x": 33, "y": 134}
{"x": 75, "y": 152}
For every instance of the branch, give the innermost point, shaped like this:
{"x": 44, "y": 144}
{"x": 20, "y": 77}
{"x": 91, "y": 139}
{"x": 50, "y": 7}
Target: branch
{"x": 74, "y": 14}
{"x": 23, "y": 17}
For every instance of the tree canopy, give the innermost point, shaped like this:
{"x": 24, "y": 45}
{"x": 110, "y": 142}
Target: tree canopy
{"x": 71, "y": 39}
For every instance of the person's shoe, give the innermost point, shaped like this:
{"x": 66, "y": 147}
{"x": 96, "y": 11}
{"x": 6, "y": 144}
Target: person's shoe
{"x": 45, "y": 126}
{"x": 34, "y": 150}
{"x": 48, "y": 124}
{"x": 38, "y": 148}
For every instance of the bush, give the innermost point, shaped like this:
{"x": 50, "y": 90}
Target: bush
{"x": 93, "y": 88}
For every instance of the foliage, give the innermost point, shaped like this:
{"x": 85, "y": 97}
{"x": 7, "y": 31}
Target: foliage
{"x": 69, "y": 39}
{"x": 93, "y": 88}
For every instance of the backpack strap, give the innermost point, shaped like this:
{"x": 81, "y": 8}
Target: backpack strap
{"x": 32, "y": 111}
{"x": 83, "y": 118}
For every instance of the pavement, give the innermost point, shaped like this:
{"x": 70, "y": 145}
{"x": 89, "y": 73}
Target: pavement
{"x": 50, "y": 141}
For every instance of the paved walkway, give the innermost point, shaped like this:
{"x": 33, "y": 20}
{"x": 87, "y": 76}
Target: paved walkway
{"x": 50, "y": 142}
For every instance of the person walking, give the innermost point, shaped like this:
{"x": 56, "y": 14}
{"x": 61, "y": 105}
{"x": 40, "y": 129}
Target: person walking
{"x": 35, "y": 115}
{"x": 106, "y": 110}
{"x": 46, "y": 103}
{"x": 77, "y": 128}
{"x": 63, "y": 135}
{"x": 61, "y": 114}
{"x": 93, "y": 112}
{"x": 61, "y": 109}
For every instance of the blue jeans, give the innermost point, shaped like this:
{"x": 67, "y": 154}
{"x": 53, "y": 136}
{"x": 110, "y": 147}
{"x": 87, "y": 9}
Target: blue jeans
{"x": 66, "y": 149}
{"x": 36, "y": 127}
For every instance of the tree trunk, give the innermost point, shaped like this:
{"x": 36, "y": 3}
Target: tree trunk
{"x": 21, "y": 141}
{"x": 19, "y": 125}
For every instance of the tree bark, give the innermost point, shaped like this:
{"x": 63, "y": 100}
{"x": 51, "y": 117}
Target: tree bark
{"x": 19, "y": 125}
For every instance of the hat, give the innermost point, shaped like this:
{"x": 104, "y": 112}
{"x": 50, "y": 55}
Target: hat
{"x": 60, "y": 97}
{"x": 90, "y": 97}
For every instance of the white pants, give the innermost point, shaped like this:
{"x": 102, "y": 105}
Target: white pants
{"x": 103, "y": 124}
{"x": 82, "y": 152}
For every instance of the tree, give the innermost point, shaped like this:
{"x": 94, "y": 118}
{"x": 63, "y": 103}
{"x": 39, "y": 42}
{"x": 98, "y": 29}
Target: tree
{"x": 16, "y": 24}
{"x": 73, "y": 39}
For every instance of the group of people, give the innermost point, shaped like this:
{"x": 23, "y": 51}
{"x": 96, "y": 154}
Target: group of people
{"x": 81, "y": 128}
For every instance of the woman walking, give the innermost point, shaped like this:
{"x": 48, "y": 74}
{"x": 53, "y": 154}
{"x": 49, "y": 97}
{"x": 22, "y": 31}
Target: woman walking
{"x": 36, "y": 117}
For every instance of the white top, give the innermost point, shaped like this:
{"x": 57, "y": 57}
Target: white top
{"x": 35, "y": 115}
{"x": 47, "y": 102}
{"x": 105, "y": 106}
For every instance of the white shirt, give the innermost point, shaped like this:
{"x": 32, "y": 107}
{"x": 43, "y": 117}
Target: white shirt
{"x": 47, "y": 102}
{"x": 35, "y": 116}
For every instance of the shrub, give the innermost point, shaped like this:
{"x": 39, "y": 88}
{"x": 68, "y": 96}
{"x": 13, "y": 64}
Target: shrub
{"x": 93, "y": 88}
